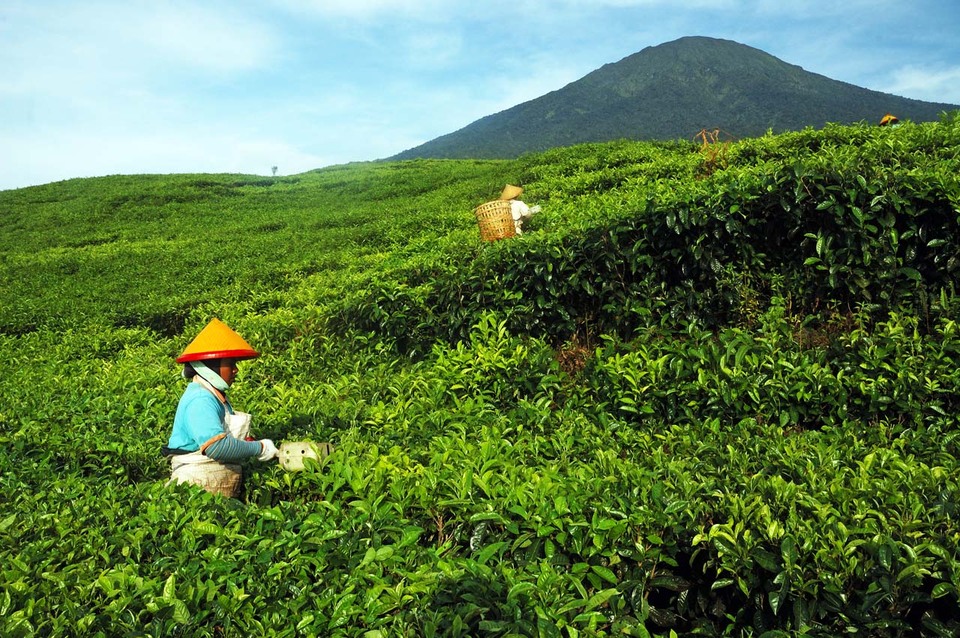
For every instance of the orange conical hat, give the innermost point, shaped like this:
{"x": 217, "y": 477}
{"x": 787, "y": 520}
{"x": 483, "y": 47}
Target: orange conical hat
{"x": 510, "y": 191}
{"x": 217, "y": 341}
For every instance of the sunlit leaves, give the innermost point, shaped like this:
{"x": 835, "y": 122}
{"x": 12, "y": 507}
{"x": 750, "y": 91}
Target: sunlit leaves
{"x": 680, "y": 404}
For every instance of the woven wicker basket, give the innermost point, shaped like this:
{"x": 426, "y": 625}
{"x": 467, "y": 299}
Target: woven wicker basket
{"x": 495, "y": 220}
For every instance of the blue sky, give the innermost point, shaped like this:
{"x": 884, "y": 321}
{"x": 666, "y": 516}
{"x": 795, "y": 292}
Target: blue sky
{"x": 103, "y": 87}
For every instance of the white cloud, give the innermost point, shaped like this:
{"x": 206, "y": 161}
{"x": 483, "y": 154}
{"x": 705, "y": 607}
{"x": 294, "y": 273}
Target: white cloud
{"x": 689, "y": 4}
{"x": 433, "y": 49}
{"x": 209, "y": 38}
{"x": 75, "y": 153}
{"x": 925, "y": 83}
{"x": 365, "y": 9}
{"x": 64, "y": 48}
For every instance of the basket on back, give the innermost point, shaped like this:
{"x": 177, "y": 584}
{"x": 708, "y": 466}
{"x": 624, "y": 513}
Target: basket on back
{"x": 495, "y": 220}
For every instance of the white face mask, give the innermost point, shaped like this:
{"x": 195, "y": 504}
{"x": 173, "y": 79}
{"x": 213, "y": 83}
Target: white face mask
{"x": 209, "y": 375}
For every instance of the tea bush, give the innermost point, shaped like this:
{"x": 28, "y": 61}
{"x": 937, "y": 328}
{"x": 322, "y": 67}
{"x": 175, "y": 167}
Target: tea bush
{"x": 703, "y": 394}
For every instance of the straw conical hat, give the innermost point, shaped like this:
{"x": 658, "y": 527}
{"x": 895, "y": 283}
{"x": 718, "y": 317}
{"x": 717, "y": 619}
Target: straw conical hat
{"x": 511, "y": 192}
{"x": 217, "y": 341}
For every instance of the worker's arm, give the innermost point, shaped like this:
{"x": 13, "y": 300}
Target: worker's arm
{"x": 202, "y": 422}
{"x": 227, "y": 449}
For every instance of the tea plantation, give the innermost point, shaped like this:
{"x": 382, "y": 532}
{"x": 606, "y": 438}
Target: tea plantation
{"x": 711, "y": 390}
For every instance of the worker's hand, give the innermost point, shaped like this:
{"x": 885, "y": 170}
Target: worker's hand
{"x": 270, "y": 450}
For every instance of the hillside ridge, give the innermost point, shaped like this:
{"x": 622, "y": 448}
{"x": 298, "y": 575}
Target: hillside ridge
{"x": 672, "y": 91}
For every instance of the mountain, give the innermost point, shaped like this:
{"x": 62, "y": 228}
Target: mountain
{"x": 673, "y": 91}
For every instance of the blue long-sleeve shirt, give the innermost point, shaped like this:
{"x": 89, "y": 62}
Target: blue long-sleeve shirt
{"x": 200, "y": 417}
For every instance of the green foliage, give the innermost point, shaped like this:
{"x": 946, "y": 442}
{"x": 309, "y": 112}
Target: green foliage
{"x": 688, "y": 400}
{"x": 857, "y": 218}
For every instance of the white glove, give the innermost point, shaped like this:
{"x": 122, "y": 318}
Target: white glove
{"x": 270, "y": 450}
{"x": 534, "y": 209}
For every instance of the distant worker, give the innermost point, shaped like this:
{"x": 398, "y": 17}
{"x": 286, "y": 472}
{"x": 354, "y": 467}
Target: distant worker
{"x": 889, "y": 120}
{"x": 520, "y": 211}
{"x": 209, "y": 438}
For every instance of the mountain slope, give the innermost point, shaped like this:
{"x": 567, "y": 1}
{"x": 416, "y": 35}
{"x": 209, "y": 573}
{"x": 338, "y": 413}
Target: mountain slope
{"x": 672, "y": 91}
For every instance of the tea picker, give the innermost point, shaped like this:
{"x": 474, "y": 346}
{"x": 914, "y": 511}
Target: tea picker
{"x": 504, "y": 217}
{"x": 518, "y": 210}
{"x": 210, "y": 439}
{"x": 889, "y": 120}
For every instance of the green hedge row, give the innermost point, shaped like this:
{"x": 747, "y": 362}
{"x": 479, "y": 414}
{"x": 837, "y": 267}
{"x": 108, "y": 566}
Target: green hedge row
{"x": 852, "y": 218}
{"x": 654, "y": 414}
{"x": 726, "y": 483}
